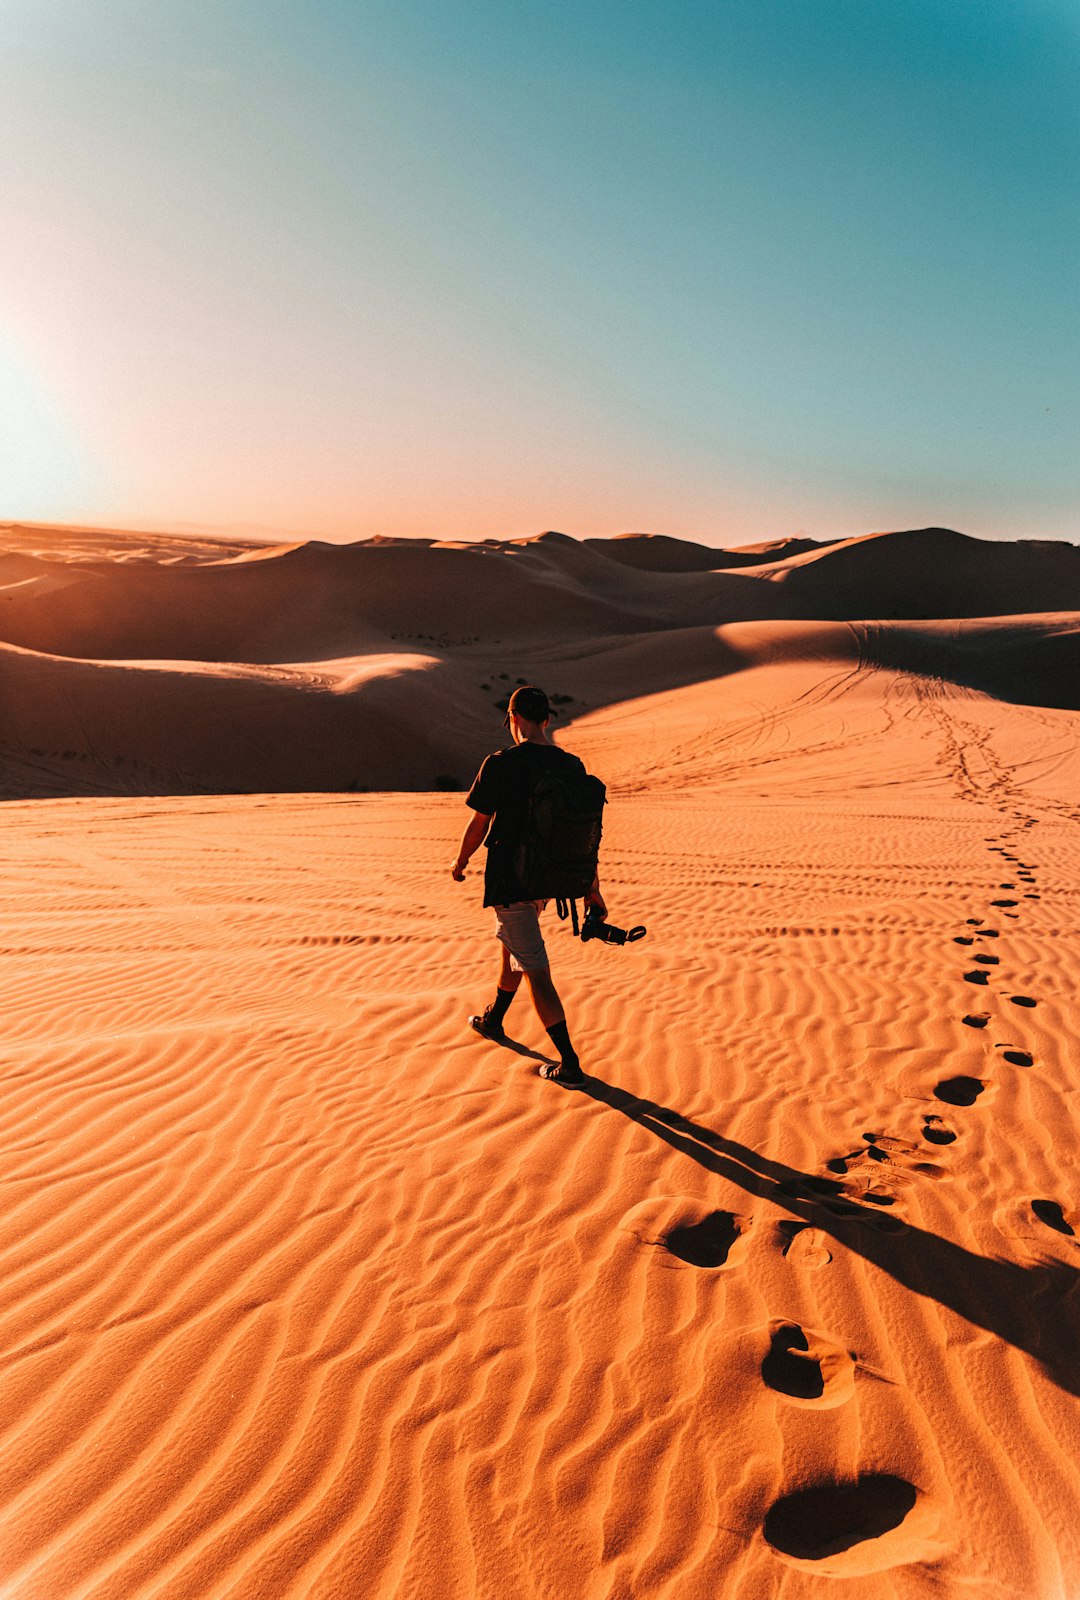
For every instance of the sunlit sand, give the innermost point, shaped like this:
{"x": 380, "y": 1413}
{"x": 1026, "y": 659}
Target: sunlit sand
{"x": 309, "y": 1292}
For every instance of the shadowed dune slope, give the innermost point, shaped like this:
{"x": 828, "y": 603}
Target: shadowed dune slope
{"x": 81, "y": 727}
{"x": 128, "y": 665}
{"x": 1035, "y": 660}
{"x": 930, "y": 572}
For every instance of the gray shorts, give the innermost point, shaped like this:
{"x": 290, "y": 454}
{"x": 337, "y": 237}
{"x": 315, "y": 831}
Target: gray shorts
{"x": 518, "y": 926}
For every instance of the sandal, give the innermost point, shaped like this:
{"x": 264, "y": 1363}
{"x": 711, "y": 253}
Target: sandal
{"x": 487, "y": 1029}
{"x": 559, "y": 1072}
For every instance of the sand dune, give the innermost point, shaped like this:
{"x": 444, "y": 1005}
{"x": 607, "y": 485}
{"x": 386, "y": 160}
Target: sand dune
{"x": 930, "y": 572}
{"x": 658, "y": 552}
{"x": 1035, "y": 660}
{"x": 82, "y": 727}
{"x": 129, "y": 664}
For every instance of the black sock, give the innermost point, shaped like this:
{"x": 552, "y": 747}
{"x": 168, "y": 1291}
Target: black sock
{"x": 496, "y": 1011}
{"x": 559, "y": 1035}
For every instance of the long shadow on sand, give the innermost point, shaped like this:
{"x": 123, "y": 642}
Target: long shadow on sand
{"x": 1036, "y": 1308}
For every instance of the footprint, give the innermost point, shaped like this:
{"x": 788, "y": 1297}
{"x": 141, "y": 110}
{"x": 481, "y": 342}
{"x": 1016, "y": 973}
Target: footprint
{"x": 976, "y": 977}
{"x": 811, "y": 1370}
{"x": 707, "y": 1243}
{"x": 988, "y": 933}
{"x": 988, "y": 961}
{"x": 936, "y": 1131}
{"x": 1016, "y": 1058}
{"x": 879, "y": 1171}
{"x": 802, "y": 1244}
{"x": 959, "y": 1091}
{"x": 691, "y": 1233}
{"x": 1003, "y": 902}
{"x": 1023, "y": 1000}
{"x": 1006, "y": 886}
{"x": 818, "y": 1523}
{"x": 789, "y": 1368}
{"x": 974, "y": 922}
{"x": 873, "y": 1193}
{"x": 964, "y": 938}
{"x": 897, "y": 1152}
{"x": 1040, "y": 1230}
{"x": 1051, "y": 1213}
{"x": 830, "y": 1196}
{"x": 976, "y": 1019}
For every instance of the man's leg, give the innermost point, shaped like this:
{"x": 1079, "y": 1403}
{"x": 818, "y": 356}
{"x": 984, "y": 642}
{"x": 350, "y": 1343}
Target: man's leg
{"x": 549, "y": 1009}
{"x": 545, "y": 997}
{"x": 508, "y": 985}
{"x": 509, "y": 976}
{"x": 519, "y": 931}
{"x": 489, "y": 1023}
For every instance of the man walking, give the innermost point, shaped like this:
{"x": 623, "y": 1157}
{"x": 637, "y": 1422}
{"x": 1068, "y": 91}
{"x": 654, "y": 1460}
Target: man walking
{"x": 499, "y": 799}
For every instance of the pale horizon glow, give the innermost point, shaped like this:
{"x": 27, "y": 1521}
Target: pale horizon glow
{"x": 729, "y": 273}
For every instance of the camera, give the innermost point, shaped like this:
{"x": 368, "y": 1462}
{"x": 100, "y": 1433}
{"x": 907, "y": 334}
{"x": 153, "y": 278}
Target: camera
{"x": 597, "y": 927}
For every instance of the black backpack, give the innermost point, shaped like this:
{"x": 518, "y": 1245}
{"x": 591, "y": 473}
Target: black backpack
{"x": 560, "y": 843}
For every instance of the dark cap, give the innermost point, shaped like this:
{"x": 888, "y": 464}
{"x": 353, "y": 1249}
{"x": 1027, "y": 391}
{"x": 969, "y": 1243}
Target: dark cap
{"x": 528, "y": 702}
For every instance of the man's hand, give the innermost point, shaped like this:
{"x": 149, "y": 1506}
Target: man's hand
{"x": 472, "y": 839}
{"x": 594, "y": 901}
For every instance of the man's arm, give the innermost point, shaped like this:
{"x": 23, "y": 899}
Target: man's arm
{"x": 471, "y": 840}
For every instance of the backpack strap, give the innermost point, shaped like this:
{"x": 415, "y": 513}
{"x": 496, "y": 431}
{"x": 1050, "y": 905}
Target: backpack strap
{"x": 568, "y": 908}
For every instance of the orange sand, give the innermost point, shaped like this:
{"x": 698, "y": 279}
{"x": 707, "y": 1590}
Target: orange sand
{"x": 308, "y": 1292}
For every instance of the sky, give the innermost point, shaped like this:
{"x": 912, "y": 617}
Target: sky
{"x": 725, "y": 269}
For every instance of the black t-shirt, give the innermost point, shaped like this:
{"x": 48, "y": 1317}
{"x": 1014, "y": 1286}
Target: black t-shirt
{"x": 501, "y": 791}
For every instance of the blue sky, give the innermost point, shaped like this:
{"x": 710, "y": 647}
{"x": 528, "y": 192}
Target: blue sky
{"x": 728, "y": 270}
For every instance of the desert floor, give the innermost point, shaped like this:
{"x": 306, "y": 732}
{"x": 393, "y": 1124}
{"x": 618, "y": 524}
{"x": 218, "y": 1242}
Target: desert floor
{"x": 309, "y": 1292}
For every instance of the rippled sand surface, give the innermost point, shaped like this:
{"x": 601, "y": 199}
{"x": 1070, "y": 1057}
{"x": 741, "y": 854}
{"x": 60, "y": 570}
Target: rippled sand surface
{"x": 309, "y": 1292}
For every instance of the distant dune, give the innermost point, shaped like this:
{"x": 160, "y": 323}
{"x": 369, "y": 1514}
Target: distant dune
{"x": 143, "y": 663}
{"x": 657, "y": 552}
